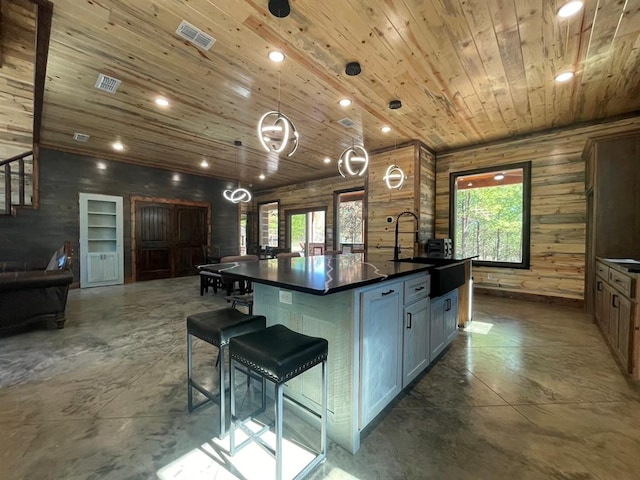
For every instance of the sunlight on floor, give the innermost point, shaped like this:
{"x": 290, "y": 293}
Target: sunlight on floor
{"x": 212, "y": 460}
{"x": 482, "y": 328}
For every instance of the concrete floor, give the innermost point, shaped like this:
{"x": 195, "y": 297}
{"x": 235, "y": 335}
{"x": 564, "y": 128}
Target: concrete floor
{"x": 531, "y": 392}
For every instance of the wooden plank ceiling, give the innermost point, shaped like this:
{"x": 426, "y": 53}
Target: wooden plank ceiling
{"x": 17, "y": 55}
{"x": 466, "y": 71}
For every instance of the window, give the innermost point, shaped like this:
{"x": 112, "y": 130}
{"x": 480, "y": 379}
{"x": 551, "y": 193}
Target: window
{"x": 243, "y": 234}
{"x": 349, "y": 217}
{"x": 268, "y": 224}
{"x": 490, "y": 213}
{"x": 306, "y": 230}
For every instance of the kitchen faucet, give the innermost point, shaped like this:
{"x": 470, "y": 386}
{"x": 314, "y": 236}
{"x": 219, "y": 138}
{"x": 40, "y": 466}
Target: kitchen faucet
{"x": 396, "y": 248}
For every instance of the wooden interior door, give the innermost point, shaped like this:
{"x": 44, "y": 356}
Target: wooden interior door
{"x": 154, "y": 238}
{"x": 169, "y": 239}
{"x": 191, "y": 235}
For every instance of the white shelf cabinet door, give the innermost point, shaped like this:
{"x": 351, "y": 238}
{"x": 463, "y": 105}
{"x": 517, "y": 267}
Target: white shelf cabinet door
{"x": 381, "y": 348}
{"x": 102, "y": 268}
{"x": 416, "y": 344}
{"x": 101, "y": 240}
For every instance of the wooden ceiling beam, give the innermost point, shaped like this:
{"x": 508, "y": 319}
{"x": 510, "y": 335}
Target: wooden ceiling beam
{"x": 44, "y": 13}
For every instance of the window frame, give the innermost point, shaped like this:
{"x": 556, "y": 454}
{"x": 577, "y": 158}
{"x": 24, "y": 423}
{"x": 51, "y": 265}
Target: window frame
{"x": 299, "y": 211}
{"x": 260, "y": 205}
{"x": 525, "y": 264}
{"x": 336, "y": 215}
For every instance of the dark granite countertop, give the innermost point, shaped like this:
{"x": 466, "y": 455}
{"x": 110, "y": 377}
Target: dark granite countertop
{"x": 318, "y": 275}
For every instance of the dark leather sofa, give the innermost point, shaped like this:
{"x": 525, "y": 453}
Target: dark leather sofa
{"x": 36, "y": 295}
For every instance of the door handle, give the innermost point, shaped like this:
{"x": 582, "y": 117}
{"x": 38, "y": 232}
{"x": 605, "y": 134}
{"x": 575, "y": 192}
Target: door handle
{"x": 384, "y": 294}
{"x": 408, "y": 320}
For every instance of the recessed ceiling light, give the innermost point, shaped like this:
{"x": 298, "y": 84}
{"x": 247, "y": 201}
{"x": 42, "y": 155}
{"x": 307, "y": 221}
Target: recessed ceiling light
{"x": 101, "y": 166}
{"x": 117, "y": 146}
{"x": 385, "y": 129}
{"x": 162, "y": 102}
{"x": 276, "y": 56}
{"x": 327, "y": 160}
{"x": 564, "y": 76}
{"x": 570, "y": 8}
{"x": 345, "y": 102}
{"x": 499, "y": 176}
{"x": 262, "y": 177}
{"x": 176, "y": 177}
{"x": 204, "y": 164}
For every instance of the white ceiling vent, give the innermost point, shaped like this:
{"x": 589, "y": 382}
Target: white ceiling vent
{"x": 345, "y": 122}
{"x": 107, "y": 84}
{"x": 195, "y": 35}
{"x": 81, "y": 137}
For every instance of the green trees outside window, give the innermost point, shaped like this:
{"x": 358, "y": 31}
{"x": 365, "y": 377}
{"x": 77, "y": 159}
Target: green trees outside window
{"x": 490, "y": 211}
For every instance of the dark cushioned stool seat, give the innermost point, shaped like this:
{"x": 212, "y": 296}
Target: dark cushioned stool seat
{"x": 279, "y": 354}
{"x": 219, "y": 326}
{"x": 216, "y": 327}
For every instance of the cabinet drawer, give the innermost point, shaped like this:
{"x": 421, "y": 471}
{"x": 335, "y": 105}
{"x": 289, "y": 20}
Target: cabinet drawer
{"x": 602, "y": 270}
{"x": 621, "y": 282}
{"x": 416, "y": 289}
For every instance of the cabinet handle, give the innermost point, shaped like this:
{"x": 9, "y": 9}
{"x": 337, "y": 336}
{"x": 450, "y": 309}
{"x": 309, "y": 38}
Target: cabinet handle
{"x": 613, "y": 301}
{"x": 419, "y": 288}
{"x": 408, "y": 320}
{"x": 599, "y": 286}
{"x": 384, "y": 294}
{"x": 448, "y": 305}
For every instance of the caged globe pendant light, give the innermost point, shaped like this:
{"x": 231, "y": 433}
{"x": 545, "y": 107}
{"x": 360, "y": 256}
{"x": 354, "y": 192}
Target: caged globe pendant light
{"x": 239, "y": 194}
{"x": 353, "y": 161}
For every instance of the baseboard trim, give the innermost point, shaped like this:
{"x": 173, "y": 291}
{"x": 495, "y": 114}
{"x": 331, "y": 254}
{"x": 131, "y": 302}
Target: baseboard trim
{"x": 569, "y": 302}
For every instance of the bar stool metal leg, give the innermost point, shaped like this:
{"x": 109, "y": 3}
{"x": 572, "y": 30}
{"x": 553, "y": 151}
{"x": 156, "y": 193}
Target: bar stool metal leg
{"x": 189, "y": 373}
{"x": 278, "y": 428}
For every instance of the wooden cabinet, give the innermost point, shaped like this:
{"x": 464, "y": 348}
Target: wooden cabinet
{"x": 416, "y": 328}
{"x": 381, "y": 347}
{"x": 101, "y": 239}
{"x": 613, "y": 203}
{"x": 617, "y": 313}
{"x": 444, "y": 322}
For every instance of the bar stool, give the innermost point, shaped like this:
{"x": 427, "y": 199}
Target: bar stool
{"x": 216, "y": 327}
{"x": 245, "y": 300}
{"x": 278, "y": 354}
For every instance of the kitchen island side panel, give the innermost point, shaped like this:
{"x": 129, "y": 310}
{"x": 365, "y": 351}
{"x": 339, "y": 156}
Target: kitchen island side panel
{"x": 332, "y": 317}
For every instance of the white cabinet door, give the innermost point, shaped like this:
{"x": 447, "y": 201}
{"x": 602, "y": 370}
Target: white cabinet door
{"x": 102, "y": 267}
{"x": 416, "y": 344}
{"x": 381, "y": 347}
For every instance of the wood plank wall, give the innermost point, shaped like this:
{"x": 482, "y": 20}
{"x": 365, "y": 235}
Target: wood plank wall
{"x": 558, "y": 207}
{"x": 427, "y": 193}
{"x": 33, "y": 234}
{"x": 318, "y": 193}
{"x": 383, "y": 202}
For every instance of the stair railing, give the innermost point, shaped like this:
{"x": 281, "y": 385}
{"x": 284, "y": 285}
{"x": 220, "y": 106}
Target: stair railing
{"x": 9, "y": 201}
